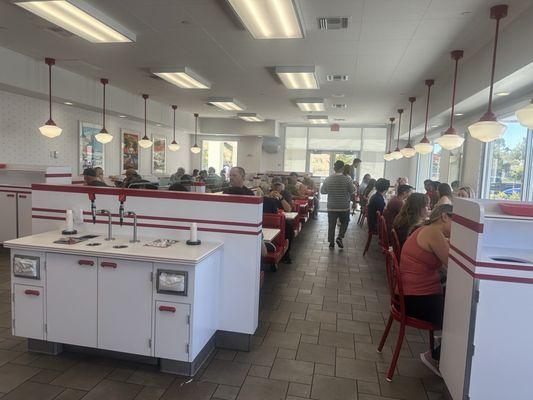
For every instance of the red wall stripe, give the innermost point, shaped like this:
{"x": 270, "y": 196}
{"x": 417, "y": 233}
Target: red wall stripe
{"x": 14, "y": 191}
{"x": 57, "y": 175}
{"x": 468, "y": 223}
{"x": 160, "y": 194}
{"x": 490, "y": 264}
{"x": 498, "y": 278}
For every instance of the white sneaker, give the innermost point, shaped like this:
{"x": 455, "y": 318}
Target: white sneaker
{"x": 429, "y": 362}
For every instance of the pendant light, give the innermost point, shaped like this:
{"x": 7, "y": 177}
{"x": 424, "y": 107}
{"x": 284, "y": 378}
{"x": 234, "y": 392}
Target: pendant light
{"x": 145, "y": 142}
{"x": 104, "y": 137}
{"x": 408, "y": 151}
{"x": 174, "y": 146}
{"x": 425, "y": 146}
{"x": 50, "y": 129}
{"x": 397, "y": 154}
{"x": 488, "y": 128}
{"x": 525, "y": 115}
{"x": 450, "y": 139}
{"x": 195, "y": 148}
{"x": 388, "y": 155}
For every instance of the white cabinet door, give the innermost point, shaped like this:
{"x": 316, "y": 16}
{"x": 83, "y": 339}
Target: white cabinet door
{"x": 125, "y": 306}
{"x": 8, "y": 216}
{"x": 172, "y": 330}
{"x": 71, "y": 306}
{"x": 24, "y": 214}
{"x": 28, "y": 307}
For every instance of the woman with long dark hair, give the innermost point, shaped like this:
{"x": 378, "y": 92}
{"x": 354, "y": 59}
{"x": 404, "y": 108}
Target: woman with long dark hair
{"x": 412, "y": 214}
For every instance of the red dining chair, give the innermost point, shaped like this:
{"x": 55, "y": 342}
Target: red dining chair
{"x": 396, "y": 246}
{"x": 397, "y": 313}
{"x": 383, "y": 234}
{"x": 362, "y": 216}
{"x": 372, "y": 232}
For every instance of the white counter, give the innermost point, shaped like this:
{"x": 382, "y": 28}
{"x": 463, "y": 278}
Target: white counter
{"x": 178, "y": 253}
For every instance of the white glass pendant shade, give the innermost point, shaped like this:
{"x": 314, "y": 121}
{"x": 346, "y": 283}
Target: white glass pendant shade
{"x": 487, "y": 131}
{"x": 525, "y": 116}
{"x": 450, "y": 141}
{"x": 387, "y": 156}
{"x": 145, "y": 142}
{"x": 396, "y": 154}
{"x": 408, "y": 151}
{"x": 104, "y": 136}
{"x": 174, "y": 146}
{"x": 424, "y": 147}
{"x": 195, "y": 149}
{"x": 50, "y": 129}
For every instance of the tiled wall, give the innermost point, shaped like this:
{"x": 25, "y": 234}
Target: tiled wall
{"x": 21, "y": 142}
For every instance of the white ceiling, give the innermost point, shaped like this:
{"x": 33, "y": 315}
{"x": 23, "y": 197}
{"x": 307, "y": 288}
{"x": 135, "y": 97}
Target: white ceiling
{"x": 390, "y": 47}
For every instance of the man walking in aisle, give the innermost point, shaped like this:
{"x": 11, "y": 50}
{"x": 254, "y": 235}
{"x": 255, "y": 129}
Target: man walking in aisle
{"x": 339, "y": 189}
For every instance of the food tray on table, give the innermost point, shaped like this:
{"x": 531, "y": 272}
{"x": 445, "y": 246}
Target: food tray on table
{"x": 518, "y": 209}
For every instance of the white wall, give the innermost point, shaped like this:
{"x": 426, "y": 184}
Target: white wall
{"x": 21, "y": 142}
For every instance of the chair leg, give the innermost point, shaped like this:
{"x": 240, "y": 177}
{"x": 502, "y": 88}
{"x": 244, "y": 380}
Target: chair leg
{"x": 396, "y": 354}
{"x": 385, "y": 334}
{"x": 431, "y": 341}
{"x": 367, "y": 246}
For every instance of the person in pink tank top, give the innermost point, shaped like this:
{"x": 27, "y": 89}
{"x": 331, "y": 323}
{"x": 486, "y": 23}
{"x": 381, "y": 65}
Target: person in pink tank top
{"x": 424, "y": 255}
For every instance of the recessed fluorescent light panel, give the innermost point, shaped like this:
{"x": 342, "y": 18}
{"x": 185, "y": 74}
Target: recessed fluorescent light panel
{"x": 311, "y": 104}
{"x": 298, "y": 77}
{"x": 317, "y": 119}
{"x": 250, "y": 117}
{"x": 81, "y": 19}
{"x": 271, "y": 19}
{"x": 502, "y": 94}
{"x": 225, "y": 103}
{"x": 183, "y": 77}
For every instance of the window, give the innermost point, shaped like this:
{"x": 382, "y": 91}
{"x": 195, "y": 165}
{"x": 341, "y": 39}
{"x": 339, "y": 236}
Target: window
{"x": 295, "y": 148}
{"x": 346, "y": 139}
{"x": 374, "y": 144}
{"x": 505, "y": 164}
{"x": 454, "y": 167}
{"x": 219, "y": 154}
{"x": 435, "y": 162}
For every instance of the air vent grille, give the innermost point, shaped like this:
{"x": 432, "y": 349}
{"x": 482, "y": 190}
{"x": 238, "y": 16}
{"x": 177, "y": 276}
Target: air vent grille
{"x": 339, "y": 105}
{"x": 336, "y": 78}
{"x": 339, "y": 119}
{"x": 332, "y": 23}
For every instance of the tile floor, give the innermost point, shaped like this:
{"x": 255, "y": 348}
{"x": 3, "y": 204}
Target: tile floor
{"x": 320, "y": 320}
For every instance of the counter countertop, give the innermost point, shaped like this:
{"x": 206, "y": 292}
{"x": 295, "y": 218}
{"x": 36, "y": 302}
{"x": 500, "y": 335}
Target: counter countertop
{"x": 179, "y": 252}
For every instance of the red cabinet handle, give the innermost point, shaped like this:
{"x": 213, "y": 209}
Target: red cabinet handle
{"x": 106, "y": 264}
{"x": 32, "y": 292}
{"x": 167, "y": 308}
{"x": 86, "y": 262}
{"x": 10, "y": 195}
{"x": 23, "y": 196}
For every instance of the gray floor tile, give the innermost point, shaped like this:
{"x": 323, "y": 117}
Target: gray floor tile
{"x": 316, "y": 353}
{"x": 12, "y": 375}
{"x": 226, "y": 372}
{"x": 33, "y": 391}
{"x": 292, "y": 370}
{"x": 263, "y": 389}
{"x": 114, "y": 390}
{"x": 332, "y": 388}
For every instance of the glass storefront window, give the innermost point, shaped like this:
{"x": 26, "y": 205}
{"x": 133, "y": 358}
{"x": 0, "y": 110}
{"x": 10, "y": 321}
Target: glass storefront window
{"x": 435, "y": 162}
{"x": 219, "y": 154}
{"x": 295, "y": 148}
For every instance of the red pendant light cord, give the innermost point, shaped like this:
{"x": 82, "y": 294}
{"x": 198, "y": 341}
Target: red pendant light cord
{"x": 400, "y": 111}
{"x": 411, "y": 100}
{"x": 104, "y": 82}
{"x": 391, "y": 119}
{"x": 50, "y": 62}
{"x": 145, "y": 97}
{"x": 174, "y": 107}
{"x": 456, "y": 55}
{"x": 196, "y": 115}
{"x": 497, "y": 12}
{"x": 429, "y": 83}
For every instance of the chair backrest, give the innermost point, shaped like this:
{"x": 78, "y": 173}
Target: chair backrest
{"x": 396, "y": 246}
{"x": 276, "y": 221}
{"x": 377, "y": 227}
{"x": 383, "y": 233}
{"x": 394, "y": 283}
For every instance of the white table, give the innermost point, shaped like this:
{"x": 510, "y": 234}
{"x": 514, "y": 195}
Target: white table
{"x": 290, "y": 215}
{"x": 270, "y": 234}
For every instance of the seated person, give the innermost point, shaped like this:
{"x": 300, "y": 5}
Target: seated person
{"x": 466, "y": 192}
{"x": 271, "y": 204}
{"x": 412, "y": 214}
{"x": 369, "y": 191}
{"x": 285, "y": 193}
{"x": 431, "y": 192}
{"x": 90, "y": 178}
{"x": 377, "y": 203}
{"x": 175, "y": 178}
{"x": 444, "y": 192}
{"x": 131, "y": 177}
{"x": 295, "y": 188}
{"x": 424, "y": 254}
{"x": 236, "y": 180}
{"x": 395, "y": 205}
{"x": 212, "y": 178}
{"x": 100, "y": 176}
{"x": 455, "y": 187}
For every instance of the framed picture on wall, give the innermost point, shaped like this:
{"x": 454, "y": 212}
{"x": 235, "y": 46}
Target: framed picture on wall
{"x": 159, "y": 155}
{"x": 129, "y": 150}
{"x": 91, "y": 151}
